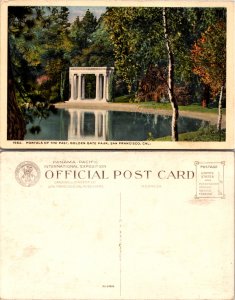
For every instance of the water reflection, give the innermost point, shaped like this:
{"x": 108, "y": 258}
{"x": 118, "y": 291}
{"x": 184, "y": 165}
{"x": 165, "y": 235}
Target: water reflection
{"x": 87, "y": 125}
{"x": 102, "y": 125}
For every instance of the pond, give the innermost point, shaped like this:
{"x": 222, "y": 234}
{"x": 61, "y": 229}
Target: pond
{"x": 103, "y": 125}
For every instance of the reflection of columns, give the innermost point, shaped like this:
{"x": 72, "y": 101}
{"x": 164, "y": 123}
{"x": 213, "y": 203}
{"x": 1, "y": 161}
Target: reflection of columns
{"x": 83, "y": 86}
{"x": 104, "y": 132}
{"x": 78, "y": 126}
{"x": 73, "y": 128}
{"x": 100, "y": 118}
{"x": 97, "y": 87}
{"x": 75, "y": 123}
{"x": 81, "y": 127}
{"x": 96, "y": 125}
{"x": 155, "y": 119}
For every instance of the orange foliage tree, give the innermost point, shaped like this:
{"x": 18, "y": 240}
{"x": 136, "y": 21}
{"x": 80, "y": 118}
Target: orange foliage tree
{"x": 209, "y": 61}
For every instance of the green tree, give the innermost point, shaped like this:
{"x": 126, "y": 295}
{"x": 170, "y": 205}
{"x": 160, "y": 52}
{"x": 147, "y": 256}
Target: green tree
{"x": 133, "y": 32}
{"x": 100, "y": 52}
{"x": 81, "y": 36}
{"x": 143, "y": 37}
{"x": 147, "y": 38}
{"x": 21, "y": 66}
{"x": 38, "y": 62}
{"x": 56, "y": 46}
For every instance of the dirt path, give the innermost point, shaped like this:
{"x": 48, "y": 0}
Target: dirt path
{"x": 133, "y": 107}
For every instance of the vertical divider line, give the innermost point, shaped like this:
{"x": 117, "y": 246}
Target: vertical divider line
{"x": 120, "y": 244}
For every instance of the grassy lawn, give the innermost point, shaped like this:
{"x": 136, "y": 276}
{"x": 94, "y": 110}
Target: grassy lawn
{"x": 205, "y": 134}
{"x": 196, "y": 107}
{"x": 124, "y": 99}
{"x": 192, "y": 107}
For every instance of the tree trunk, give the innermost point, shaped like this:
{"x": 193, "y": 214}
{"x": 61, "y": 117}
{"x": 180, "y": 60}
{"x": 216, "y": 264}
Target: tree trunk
{"x": 16, "y": 127}
{"x": 206, "y": 96}
{"x": 219, "y": 122}
{"x": 170, "y": 81}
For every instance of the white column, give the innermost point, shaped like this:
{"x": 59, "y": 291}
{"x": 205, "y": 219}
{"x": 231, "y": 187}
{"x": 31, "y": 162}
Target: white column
{"x": 83, "y": 86}
{"x": 97, "y": 87}
{"x": 101, "y": 86}
{"x": 104, "y": 88}
{"x": 75, "y": 83}
{"x": 79, "y": 87}
{"x": 107, "y": 86}
{"x": 109, "y": 74}
{"x": 72, "y": 87}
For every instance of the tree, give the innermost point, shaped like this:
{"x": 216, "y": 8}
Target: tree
{"x": 138, "y": 36}
{"x": 209, "y": 58}
{"x": 170, "y": 85}
{"x": 200, "y": 19}
{"x": 38, "y": 63}
{"x": 81, "y": 35}
{"x": 16, "y": 126}
{"x": 89, "y": 23}
{"x": 133, "y": 32}
{"x": 149, "y": 38}
{"x": 55, "y": 57}
{"x": 19, "y": 26}
{"x": 100, "y": 51}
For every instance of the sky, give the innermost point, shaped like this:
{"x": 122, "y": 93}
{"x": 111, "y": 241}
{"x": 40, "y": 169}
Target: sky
{"x": 80, "y": 11}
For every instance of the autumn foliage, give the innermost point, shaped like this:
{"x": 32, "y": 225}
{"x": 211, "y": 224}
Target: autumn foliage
{"x": 209, "y": 57}
{"x": 153, "y": 87}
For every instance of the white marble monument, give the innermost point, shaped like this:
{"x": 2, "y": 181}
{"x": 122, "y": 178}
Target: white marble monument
{"x": 77, "y": 83}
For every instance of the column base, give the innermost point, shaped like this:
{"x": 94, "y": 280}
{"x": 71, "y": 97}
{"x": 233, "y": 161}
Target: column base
{"x": 75, "y": 100}
{"x": 87, "y": 100}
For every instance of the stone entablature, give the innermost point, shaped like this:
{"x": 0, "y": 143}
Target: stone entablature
{"x": 77, "y": 82}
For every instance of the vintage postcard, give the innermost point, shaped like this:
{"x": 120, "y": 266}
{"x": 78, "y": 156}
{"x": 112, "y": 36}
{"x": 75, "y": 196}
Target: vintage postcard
{"x": 117, "y": 74}
{"x": 80, "y": 225}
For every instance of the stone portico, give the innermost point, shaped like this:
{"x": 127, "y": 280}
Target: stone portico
{"x": 77, "y": 78}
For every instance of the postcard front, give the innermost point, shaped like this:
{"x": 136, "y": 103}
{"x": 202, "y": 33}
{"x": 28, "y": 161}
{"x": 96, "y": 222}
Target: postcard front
{"x": 117, "y": 75}
{"x": 120, "y": 225}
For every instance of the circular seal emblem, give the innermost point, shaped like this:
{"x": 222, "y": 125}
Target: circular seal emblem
{"x": 27, "y": 173}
